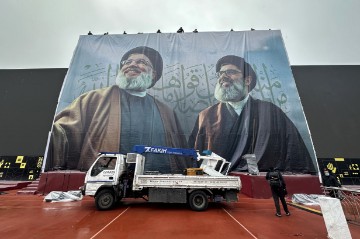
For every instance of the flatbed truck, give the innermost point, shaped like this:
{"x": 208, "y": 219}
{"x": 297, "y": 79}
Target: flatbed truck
{"x": 114, "y": 176}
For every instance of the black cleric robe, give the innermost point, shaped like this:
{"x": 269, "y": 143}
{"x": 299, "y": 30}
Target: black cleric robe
{"x": 141, "y": 124}
{"x": 261, "y": 128}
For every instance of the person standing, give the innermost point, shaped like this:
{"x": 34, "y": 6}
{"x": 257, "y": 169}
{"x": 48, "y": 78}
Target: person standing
{"x": 329, "y": 180}
{"x": 278, "y": 190}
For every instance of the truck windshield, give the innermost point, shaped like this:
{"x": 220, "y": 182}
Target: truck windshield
{"x": 105, "y": 163}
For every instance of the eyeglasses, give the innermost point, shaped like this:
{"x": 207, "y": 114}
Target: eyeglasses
{"x": 229, "y": 72}
{"x": 137, "y": 62}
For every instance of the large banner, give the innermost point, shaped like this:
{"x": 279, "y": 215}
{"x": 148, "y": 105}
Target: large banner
{"x": 229, "y": 92}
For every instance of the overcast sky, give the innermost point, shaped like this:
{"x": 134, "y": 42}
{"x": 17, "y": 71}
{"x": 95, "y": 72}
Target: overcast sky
{"x": 44, "y": 33}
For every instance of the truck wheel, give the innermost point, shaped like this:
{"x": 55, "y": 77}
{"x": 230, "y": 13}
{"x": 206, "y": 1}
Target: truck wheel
{"x": 198, "y": 201}
{"x": 105, "y": 200}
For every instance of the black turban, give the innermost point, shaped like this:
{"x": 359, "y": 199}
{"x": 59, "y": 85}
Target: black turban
{"x": 245, "y": 67}
{"x": 153, "y": 55}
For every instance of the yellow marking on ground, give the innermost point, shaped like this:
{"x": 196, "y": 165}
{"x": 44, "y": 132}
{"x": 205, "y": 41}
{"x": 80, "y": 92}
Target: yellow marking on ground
{"x": 306, "y": 208}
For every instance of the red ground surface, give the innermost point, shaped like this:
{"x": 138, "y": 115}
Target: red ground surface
{"x": 28, "y": 216}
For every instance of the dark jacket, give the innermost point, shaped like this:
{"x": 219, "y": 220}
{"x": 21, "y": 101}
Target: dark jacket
{"x": 331, "y": 181}
{"x": 268, "y": 175}
{"x": 279, "y": 190}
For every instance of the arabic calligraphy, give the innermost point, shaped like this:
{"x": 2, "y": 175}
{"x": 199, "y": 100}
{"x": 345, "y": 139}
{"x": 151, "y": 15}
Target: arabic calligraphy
{"x": 186, "y": 89}
{"x": 269, "y": 86}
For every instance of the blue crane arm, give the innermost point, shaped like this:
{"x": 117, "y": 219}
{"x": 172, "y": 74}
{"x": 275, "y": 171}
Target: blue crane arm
{"x": 165, "y": 150}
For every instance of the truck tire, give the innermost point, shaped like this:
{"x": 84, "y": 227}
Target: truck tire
{"x": 105, "y": 200}
{"x": 198, "y": 200}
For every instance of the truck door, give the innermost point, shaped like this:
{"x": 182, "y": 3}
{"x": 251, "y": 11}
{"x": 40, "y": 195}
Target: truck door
{"x": 104, "y": 169}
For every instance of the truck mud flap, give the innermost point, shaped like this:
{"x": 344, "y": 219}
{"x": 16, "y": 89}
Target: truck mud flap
{"x": 231, "y": 196}
{"x": 167, "y": 195}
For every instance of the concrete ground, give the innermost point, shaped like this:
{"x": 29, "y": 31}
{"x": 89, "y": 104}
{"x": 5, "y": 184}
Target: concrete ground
{"x": 28, "y": 216}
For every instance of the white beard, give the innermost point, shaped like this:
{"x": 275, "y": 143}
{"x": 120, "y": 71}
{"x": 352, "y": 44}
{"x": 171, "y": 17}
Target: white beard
{"x": 140, "y": 83}
{"x": 234, "y": 93}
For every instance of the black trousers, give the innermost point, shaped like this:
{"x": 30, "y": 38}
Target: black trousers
{"x": 277, "y": 193}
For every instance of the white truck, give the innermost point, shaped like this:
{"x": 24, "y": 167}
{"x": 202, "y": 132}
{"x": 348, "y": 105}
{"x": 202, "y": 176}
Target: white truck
{"x": 110, "y": 179}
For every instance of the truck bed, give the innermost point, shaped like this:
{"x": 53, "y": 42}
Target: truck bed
{"x": 182, "y": 181}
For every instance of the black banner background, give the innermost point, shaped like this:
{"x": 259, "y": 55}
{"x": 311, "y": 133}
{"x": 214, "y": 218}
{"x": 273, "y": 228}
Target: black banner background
{"x": 345, "y": 169}
{"x": 26, "y": 168}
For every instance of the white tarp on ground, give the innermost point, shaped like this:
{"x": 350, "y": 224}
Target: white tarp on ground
{"x": 307, "y": 199}
{"x": 59, "y": 196}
